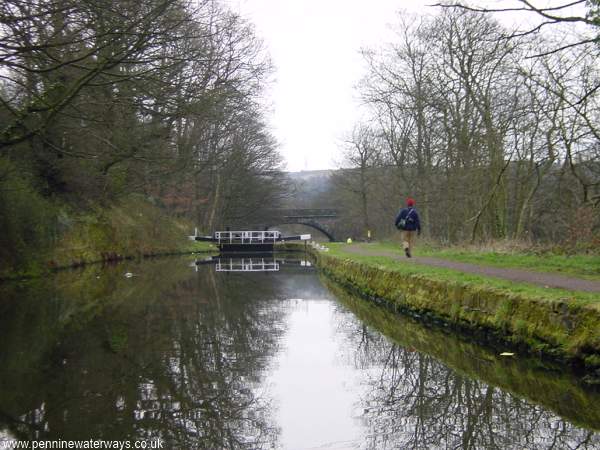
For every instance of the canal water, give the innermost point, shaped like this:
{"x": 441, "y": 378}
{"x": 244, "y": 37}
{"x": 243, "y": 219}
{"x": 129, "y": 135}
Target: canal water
{"x": 257, "y": 354}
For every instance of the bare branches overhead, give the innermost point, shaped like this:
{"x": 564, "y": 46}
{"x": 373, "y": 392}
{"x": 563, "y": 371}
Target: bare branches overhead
{"x": 551, "y": 13}
{"x": 102, "y": 97}
{"x": 489, "y": 140}
{"x": 582, "y": 12}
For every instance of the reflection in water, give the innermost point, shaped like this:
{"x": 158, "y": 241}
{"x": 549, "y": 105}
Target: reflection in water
{"x": 249, "y": 263}
{"x": 204, "y": 359}
{"x": 167, "y": 353}
{"x": 412, "y": 400}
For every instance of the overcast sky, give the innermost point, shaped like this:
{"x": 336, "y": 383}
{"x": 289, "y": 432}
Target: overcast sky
{"x": 314, "y": 45}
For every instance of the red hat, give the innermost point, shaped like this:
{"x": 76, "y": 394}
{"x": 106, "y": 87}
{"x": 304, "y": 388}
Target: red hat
{"x": 410, "y": 201}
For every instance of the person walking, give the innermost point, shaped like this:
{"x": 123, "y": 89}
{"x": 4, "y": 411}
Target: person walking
{"x": 408, "y": 222}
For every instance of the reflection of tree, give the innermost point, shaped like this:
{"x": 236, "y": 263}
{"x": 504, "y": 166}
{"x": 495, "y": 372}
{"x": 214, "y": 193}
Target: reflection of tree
{"x": 177, "y": 360}
{"x": 412, "y": 401}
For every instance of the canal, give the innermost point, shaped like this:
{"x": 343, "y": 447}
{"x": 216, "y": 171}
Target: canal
{"x": 208, "y": 356}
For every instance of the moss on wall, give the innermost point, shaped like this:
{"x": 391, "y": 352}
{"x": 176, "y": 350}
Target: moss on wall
{"x": 529, "y": 378}
{"x": 564, "y": 330}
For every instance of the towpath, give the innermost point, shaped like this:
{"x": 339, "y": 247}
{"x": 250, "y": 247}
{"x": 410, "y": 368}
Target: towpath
{"x": 544, "y": 279}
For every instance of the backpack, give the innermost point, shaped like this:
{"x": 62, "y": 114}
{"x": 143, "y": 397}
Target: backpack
{"x": 403, "y": 222}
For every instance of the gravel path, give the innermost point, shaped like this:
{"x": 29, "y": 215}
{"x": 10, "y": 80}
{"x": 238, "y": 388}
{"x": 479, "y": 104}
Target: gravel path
{"x": 544, "y": 279}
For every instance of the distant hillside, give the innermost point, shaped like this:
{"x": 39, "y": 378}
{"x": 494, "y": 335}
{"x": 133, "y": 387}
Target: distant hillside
{"x": 310, "y": 189}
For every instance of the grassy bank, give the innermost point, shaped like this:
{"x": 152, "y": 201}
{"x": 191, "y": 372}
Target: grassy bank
{"x": 511, "y": 255}
{"x": 130, "y": 228}
{"x": 507, "y": 256}
{"x": 561, "y": 324}
{"x": 406, "y": 267}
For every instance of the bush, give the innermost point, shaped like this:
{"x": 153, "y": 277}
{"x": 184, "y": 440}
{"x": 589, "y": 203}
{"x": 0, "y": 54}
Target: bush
{"x": 583, "y": 234}
{"x": 27, "y": 221}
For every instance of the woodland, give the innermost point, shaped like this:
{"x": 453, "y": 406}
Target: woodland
{"x": 119, "y": 114}
{"x": 494, "y": 131}
{"x": 128, "y": 103}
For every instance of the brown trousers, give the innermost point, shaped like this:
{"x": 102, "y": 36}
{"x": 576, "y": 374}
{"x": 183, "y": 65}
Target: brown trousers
{"x": 408, "y": 238}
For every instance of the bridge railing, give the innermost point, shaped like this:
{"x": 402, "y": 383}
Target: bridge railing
{"x": 246, "y": 237}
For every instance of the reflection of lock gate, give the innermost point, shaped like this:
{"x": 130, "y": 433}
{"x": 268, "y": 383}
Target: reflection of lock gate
{"x": 253, "y": 263}
{"x": 247, "y": 265}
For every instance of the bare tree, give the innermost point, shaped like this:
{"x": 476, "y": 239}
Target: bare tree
{"x": 477, "y": 129}
{"x": 103, "y": 99}
{"x": 361, "y": 153}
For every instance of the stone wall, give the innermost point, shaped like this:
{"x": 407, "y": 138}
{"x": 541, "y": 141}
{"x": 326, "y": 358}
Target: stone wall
{"x": 564, "y": 330}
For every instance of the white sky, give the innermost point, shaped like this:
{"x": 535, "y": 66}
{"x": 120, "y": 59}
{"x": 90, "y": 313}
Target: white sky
{"x": 314, "y": 45}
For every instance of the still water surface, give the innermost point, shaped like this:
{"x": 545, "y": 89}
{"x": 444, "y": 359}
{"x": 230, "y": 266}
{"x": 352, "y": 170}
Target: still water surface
{"x": 205, "y": 356}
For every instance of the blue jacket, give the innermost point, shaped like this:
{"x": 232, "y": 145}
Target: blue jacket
{"x": 412, "y": 219}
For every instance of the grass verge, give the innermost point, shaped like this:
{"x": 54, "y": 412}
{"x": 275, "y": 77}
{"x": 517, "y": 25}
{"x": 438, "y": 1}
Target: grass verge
{"x": 578, "y": 265}
{"x": 479, "y": 281}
